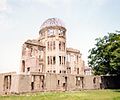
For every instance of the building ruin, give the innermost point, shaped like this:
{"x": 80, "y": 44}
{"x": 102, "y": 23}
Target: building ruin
{"x": 47, "y": 64}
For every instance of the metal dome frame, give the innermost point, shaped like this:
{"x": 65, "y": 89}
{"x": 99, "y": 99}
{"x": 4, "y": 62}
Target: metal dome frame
{"x": 51, "y": 22}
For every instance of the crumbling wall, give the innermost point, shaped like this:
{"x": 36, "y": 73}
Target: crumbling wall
{"x": 33, "y": 82}
{"x": 71, "y": 82}
{"x": 1, "y": 83}
{"x": 24, "y": 84}
{"x": 51, "y": 81}
{"x": 92, "y": 82}
{"x": 56, "y": 82}
{"x": 37, "y": 82}
{"x": 15, "y": 84}
{"x": 62, "y": 82}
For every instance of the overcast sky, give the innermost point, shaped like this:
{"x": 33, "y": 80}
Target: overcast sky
{"x": 85, "y": 20}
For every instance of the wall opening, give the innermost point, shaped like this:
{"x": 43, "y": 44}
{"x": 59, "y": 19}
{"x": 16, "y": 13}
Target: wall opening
{"x": 28, "y": 69}
{"x": 54, "y": 71}
{"x": 7, "y": 82}
{"x": 60, "y": 60}
{"x": 23, "y": 66}
{"x": 60, "y": 71}
{"x": 58, "y": 82}
{"x": 59, "y": 45}
{"x": 79, "y": 82}
{"x": 32, "y": 85}
{"x": 54, "y": 60}
{"x": 42, "y": 82}
{"x": 94, "y": 80}
{"x": 64, "y": 60}
{"x": 65, "y": 84}
{"x": 51, "y": 60}
{"x": 68, "y": 70}
{"x": 48, "y": 60}
{"x": 77, "y": 70}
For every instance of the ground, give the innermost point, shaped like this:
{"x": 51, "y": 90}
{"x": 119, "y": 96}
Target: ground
{"x": 74, "y": 95}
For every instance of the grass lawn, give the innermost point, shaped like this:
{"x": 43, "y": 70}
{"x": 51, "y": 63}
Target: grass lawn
{"x": 74, "y": 95}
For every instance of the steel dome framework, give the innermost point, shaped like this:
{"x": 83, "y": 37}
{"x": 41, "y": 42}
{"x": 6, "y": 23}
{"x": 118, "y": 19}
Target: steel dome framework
{"x": 52, "y": 22}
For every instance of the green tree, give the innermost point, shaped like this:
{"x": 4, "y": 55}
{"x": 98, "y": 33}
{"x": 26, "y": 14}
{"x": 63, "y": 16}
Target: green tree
{"x": 104, "y": 58}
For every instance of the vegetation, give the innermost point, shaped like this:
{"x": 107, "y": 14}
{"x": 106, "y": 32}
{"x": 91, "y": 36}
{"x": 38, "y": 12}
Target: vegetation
{"x": 80, "y": 95}
{"x": 104, "y": 58}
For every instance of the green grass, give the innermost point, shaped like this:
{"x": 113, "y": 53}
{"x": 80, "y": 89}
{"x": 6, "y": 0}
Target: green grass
{"x": 74, "y": 95}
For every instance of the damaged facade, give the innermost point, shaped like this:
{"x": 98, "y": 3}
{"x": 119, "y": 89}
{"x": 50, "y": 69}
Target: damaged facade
{"x": 47, "y": 64}
{"x": 49, "y": 54}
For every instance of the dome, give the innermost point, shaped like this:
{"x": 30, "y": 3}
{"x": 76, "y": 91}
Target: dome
{"x": 52, "y": 22}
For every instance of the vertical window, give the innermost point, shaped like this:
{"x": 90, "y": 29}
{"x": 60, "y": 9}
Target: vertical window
{"x": 50, "y": 45}
{"x": 62, "y": 46}
{"x": 64, "y": 60}
{"x": 59, "y": 59}
{"x": 77, "y": 58}
{"x": 48, "y": 60}
{"x": 54, "y": 60}
{"x": 77, "y": 70}
{"x": 59, "y": 45}
{"x": 23, "y": 66}
{"x": 32, "y": 85}
{"x": 7, "y": 82}
{"x": 53, "y": 45}
{"x": 94, "y": 80}
{"x": 77, "y": 81}
{"x": 58, "y": 82}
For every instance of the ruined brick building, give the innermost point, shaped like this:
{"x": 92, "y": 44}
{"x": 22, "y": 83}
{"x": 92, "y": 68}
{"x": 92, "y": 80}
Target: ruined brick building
{"x": 48, "y": 64}
{"x": 49, "y": 54}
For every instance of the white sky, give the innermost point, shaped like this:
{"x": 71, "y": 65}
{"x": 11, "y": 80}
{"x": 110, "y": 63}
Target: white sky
{"x": 85, "y": 20}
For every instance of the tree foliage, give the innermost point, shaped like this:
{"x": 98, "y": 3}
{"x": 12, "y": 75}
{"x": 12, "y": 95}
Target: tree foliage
{"x": 104, "y": 58}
